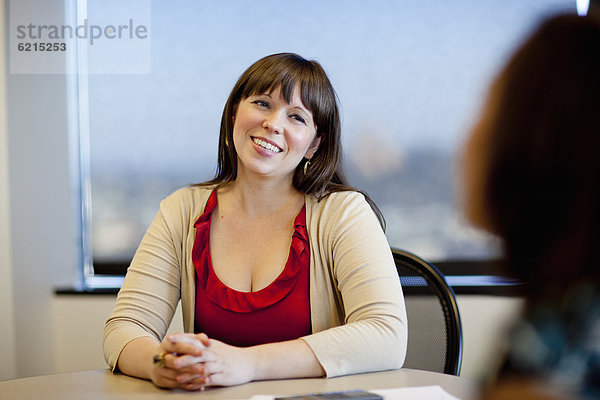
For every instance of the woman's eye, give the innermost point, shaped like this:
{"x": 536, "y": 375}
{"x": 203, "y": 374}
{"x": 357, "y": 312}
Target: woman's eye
{"x": 298, "y": 118}
{"x": 261, "y": 103}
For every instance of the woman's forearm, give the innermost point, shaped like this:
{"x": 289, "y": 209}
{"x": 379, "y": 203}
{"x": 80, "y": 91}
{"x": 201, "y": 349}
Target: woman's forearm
{"x": 229, "y": 365}
{"x": 136, "y": 357}
{"x": 291, "y": 359}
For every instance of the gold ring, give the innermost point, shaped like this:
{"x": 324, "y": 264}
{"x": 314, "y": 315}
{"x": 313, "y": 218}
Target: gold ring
{"x": 159, "y": 360}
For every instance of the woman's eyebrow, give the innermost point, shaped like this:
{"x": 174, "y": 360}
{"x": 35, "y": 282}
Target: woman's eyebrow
{"x": 297, "y": 107}
{"x": 301, "y": 108}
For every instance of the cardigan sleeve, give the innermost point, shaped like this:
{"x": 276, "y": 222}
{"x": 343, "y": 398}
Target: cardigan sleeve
{"x": 362, "y": 276}
{"x": 151, "y": 289}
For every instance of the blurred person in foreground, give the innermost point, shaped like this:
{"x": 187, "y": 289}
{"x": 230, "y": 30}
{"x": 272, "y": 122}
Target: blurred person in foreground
{"x": 532, "y": 177}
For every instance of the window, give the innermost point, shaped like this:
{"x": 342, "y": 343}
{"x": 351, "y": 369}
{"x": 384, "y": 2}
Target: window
{"x": 411, "y": 77}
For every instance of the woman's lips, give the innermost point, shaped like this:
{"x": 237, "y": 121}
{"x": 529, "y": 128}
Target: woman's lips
{"x": 266, "y": 144}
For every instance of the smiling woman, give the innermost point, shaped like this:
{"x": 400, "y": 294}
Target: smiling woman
{"x": 281, "y": 267}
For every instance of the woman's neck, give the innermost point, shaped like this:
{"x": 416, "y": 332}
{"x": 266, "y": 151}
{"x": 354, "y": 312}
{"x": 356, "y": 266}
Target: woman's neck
{"x": 263, "y": 197}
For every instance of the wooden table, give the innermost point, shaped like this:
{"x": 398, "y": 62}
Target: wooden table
{"x": 103, "y": 384}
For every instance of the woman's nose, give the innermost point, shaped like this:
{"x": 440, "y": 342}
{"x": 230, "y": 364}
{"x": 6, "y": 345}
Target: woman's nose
{"x": 273, "y": 125}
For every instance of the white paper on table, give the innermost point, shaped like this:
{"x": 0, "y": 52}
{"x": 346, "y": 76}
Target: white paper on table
{"x": 405, "y": 393}
{"x": 420, "y": 392}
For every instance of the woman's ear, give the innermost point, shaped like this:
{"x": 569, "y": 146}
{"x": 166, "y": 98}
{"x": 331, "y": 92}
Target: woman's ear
{"x": 314, "y": 146}
{"x": 233, "y": 113}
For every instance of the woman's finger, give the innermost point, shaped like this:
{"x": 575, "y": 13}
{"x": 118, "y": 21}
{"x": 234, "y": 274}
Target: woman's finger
{"x": 203, "y": 338}
{"x": 169, "y": 378}
{"x": 182, "y": 344}
{"x": 191, "y": 381}
{"x": 165, "y": 377}
{"x": 169, "y": 361}
{"x": 194, "y": 387}
{"x": 181, "y": 362}
{"x": 195, "y": 369}
{"x": 194, "y": 340}
{"x": 191, "y": 378}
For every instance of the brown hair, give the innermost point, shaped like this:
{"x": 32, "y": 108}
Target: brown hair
{"x": 325, "y": 174}
{"x": 542, "y": 191}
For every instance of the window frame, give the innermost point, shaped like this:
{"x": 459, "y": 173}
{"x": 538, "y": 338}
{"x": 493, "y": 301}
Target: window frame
{"x": 466, "y": 276}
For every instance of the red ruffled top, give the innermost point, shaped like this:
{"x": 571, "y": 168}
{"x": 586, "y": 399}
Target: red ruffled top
{"x": 279, "y": 312}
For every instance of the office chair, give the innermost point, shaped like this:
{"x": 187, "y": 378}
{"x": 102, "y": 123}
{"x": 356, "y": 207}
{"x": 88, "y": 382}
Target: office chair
{"x": 434, "y": 327}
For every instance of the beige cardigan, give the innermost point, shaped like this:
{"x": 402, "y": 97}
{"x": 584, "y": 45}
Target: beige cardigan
{"x": 357, "y": 307}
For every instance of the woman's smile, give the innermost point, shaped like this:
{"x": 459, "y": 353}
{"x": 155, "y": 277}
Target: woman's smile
{"x": 267, "y": 145}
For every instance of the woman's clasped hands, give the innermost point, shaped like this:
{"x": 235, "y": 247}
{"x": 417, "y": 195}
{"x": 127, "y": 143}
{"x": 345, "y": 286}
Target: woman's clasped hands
{"x": 193, "y": 362}
{"x": 179, "y": 362}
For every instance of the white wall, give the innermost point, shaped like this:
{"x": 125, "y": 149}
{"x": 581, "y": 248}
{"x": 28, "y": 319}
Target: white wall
{"x": 42, "y": 238}
{"x": 78, "y": 330}
{"x": 485, "y": 320}
{"x": 79, "y": 323}
{"x": 8, "y": 367}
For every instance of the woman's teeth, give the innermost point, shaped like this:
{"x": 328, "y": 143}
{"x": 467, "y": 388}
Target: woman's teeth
{"x": 266, "y": 145}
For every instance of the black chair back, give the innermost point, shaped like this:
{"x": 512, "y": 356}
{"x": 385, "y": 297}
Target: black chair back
{"x": 434, "y": 327}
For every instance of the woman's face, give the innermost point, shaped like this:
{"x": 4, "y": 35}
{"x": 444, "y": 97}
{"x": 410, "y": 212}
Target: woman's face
{"x": 271, "y": 136}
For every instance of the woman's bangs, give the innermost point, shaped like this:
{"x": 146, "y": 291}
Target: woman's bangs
{"x": 286, "y": 78}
